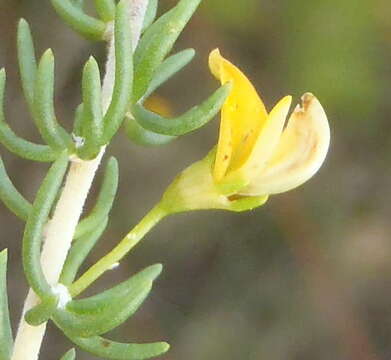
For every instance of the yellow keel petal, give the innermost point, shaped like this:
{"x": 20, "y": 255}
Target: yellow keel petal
{"x": 300, "y": 153}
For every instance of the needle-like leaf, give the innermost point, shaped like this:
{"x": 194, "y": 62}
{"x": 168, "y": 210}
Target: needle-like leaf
{"x": 123, "y": 72}
{"x": 27, "y": 61}
{"x": 79, "y": 251}
{"x": 92, "y": 118}
{"x": 157, "y": 42}
{"x": 101, "y": 313}
{"x": 23, "y": 148}
{"x": 69, "y": 355}
{"x": 191, "y": 120}
{"x": 150, "y": 14}
{"x": 113, "y": 350}
{"x": 100, "y": 302}
{"x": 71, "y": 12}
{"x": 32, "y": 238}
{"x": 11, "y": 197}
{"x": 6, "y": 341}
{"x": 42, "y": 312}
{"x": 141, "y": 136}
{"x": 105, "y": 9}
{"x": 56, "y": 137}
{"x": 105, "y": 320}
{"x": 169, "y": 68}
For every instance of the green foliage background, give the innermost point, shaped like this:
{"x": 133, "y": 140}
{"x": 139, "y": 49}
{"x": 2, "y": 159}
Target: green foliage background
{"x": 304, "y": 277}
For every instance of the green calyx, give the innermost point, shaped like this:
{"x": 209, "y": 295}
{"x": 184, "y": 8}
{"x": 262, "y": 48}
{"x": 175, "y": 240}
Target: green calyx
{"x": 195, "y": 189}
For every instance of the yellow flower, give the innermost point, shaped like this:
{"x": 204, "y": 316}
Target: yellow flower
{"x": 255, "y": 156}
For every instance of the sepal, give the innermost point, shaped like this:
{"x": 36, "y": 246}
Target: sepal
{"x": 195, "y": 189}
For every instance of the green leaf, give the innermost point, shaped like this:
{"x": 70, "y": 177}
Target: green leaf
{"x": 27, "y": 61}
{"x": 6, "y": 341}
{"x": 100, "y": 302}
{"x": 92, "y": 118}
{"x": 45, "y": 118}
{"x": 105, "y": 320}
{"x": 157, "y": 42}
{"x": 73, "y": 15}
{"x": 104, "y": 202}
{"x": 23, "y": 148}
{"x": 150, "y": 14}
{"x": 69, "y": 355}
{"x": 169, "y": 68}
{"x": 141, "y": 136}
{"x": 105, "y": 9}
{"x": 78, "y": 3}
{"x": 109, "y": 349}
{"x": 123, "y": 72}
{"x": 32, "y": 239}
{"x": 107, "y": 311}
{"x": 11, "y": 197}
{"x": 79, "y": 120}
{"x": 193, "y": 119}
{"x": 79, "y": 251}
{"x": 42, "y": 312}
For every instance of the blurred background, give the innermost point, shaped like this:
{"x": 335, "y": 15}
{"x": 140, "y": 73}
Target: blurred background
{"x": 307, "y": 276}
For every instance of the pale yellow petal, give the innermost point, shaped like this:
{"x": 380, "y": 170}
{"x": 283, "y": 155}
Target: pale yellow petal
{"x": 242, "y": 117}
{"x": 265, "y": 144}
{"x": 300, "y": 153}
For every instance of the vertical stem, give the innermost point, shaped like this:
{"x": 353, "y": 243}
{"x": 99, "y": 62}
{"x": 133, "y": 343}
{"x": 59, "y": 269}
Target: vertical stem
{"x": 62, "y": 226}
{"x": 59, "y": 236}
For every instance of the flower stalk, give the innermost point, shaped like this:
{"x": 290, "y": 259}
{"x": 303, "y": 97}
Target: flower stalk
{"x": 124, "y": 246}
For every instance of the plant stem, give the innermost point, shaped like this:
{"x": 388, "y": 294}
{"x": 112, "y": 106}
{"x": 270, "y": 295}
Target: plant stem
{"x": 59, "y": 236}
{"x": 62, "y": 226}
{"x": 115, "y": 255}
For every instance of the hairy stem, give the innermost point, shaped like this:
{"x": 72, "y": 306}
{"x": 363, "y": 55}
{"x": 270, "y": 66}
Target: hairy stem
{"x": 115, "y": 255}
{"x": 62, "y": 226}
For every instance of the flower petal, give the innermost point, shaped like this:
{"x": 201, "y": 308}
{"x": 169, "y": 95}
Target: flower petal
{"x": 300, "y": 153}
{"x": 242, "y": 117}
{"x": 262, "y": 150}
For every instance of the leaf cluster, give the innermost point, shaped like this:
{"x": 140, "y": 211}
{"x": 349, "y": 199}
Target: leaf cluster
{"x": 137, "y": 74}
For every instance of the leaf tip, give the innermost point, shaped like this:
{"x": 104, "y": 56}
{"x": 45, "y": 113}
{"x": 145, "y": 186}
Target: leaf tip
{"x": 4, "y": 254}
{"x": 155, "y": 270}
